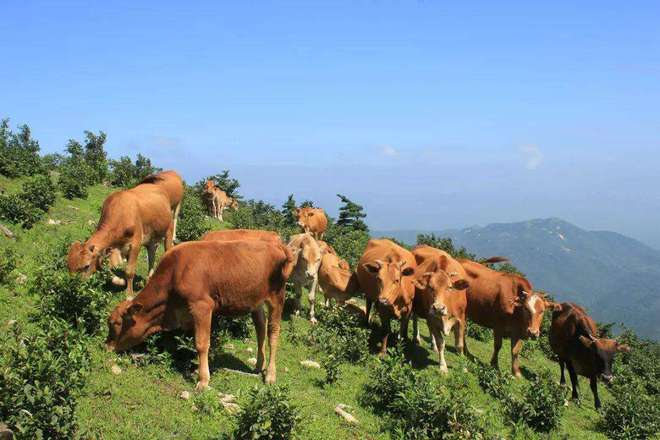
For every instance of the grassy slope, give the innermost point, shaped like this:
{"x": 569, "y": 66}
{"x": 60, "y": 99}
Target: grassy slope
{"x": 144, "y": 402}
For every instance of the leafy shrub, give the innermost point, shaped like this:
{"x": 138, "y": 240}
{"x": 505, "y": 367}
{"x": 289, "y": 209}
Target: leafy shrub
{"x": 631, "y": 414}
{"x": 15, "y": 209}
{"x": 340, "y": 333}
{"x": 260, "y": 215}
{"x": 479, "y": 333}
{"x": 19, "y": 153}
{"x": 39, "y": 192}
{"x": 75, "y": 177}
{"x": 41, "y": 376}
{"x": 268, "y": 415}
{"x": 493, "y": 381}
{"x": 82, "y": 303}
{"x": 642, "y": 362}
{"x": 124, "y": 173}
{"x": 236, "y": 326}
{"x": 192, "y": 218}
{"x": 390, "y": 379}
{"x": 542, "y": 404}
{"x": 7, "y": 264}
{"x": 331, "y": 365}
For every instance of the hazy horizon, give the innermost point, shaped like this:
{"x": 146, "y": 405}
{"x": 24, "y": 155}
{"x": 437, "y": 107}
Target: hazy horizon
{"x": 431, "y": 116}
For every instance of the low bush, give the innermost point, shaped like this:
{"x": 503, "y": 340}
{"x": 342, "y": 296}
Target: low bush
{"x": 340, "y": 333}
{"x": 75, "y": 177}
{"x": 391, "y": 378}
{"x": 15, "y": 209}
{"x": 237, "y": 327}
{"x": 631, "y": 414}
{"x": 493, "y": 381}
{"x": 332, "y": 367}
{"x": 39, "y": 192}
{"x": 7, "y": 264}
{"x": 41, "y": 376}
{"x": 542, "y": 404}
{"x": 80, "y": 302}
{"x": 479, "y": 333}
{"x": 192, "y": 218}
{"x": 269, "y": 414}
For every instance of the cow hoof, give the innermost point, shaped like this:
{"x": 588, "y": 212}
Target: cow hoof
{"x": 444, "y": 369}
{"x": 269, "y": 379}
{"x": 517, "y": 375}
{"x": 119, "y": 282}
{"x": 313, "y": 320}
{"x": 202, "y": 387}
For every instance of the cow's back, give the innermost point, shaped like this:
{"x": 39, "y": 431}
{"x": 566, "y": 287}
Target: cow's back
{"x": 170, "y": 182}
{"x": 568, "y": 324}
{"x": 153, "y": 208}
{"x": 241, "y": 234}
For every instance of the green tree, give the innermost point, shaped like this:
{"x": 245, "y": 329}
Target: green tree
{"x": 19, "y": 152}
{"x": 351, "y": 215}
{"x": 289, "y": 211}
{"x": 446, "y": 244}
{"x": 95, "y": 154}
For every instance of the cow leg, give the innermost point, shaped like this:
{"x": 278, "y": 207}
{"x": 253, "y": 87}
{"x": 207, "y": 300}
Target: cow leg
{"x": 116, "y": 260}
{"x": 132, "y": 264}
{"x": 259, "y": 321}
{"x": 403, "y": 329}
{"x": 516, "y": 346}
{"x": 368, "y": 310}
{"x": 168, "y": 241}
{"x": 434, "y": 343}
{"x": 297, "y": 294}
{"x": 220, "y": 210}
{"x": 201, "y": 313}
{"x": 593, "y": 383}
{"x": 311, "y": 296}
{"x": 562, "y": 380}
{"x": 416, "y": 337}
{"x": 497, "y": 345}
{"x": 574, "y": 380}
{"x": 459, "y": 334}
{"x": 385, "y": 329}
{"x": 274, "y": 320}
{"x": 439, "y": 338}
{"x": 174, "y": 220}
{"x": 151, "y": 257}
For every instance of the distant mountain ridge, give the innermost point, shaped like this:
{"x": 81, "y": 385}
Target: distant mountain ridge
{"x": 616, "y": 277}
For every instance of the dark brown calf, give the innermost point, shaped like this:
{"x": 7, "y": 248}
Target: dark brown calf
{"x": 573, "y": 339}
{"x": 197, "y": 279}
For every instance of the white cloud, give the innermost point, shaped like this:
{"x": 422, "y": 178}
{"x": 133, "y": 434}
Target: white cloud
{"x": 532, "y": 156}
{"x": 388, "y": 150}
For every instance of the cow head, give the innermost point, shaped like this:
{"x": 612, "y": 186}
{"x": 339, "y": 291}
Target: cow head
{"x": 392, "y": 277}
{"x": 303, "y": 215}
{"x": 533, "y": 305}
{"x": 83, "y": 258}
{"x": 209, "y": 186}
{"x": 602, "y": 352}
{"x": 307, "y": 253}
{"x": 126, "y": 327}
{"x": 439, "y": 286}
{"x": 342, "y": 282}
{"x": 233, "y": 203}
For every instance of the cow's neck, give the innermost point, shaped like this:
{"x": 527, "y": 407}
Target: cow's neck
{"x": 154, "y": 305}
{"x": 101, "y": 239}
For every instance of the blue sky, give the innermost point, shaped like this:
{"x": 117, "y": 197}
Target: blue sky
{"x": 431, "y": 115}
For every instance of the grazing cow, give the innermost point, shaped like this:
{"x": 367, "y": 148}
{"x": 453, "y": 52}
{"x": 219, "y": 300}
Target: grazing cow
{"x": 336, "y": 279}
{"x": 241, "y": 234}
{"x": 573, "y": 339}
{"x": 198, "y": 279}
{"x": 307, "y": 255}
{"x": 130, "y": 219}
{"x": 313, "y": 221}
{"x": 440, "y": 298}
{"x": 218, "y": 200}
{"x": 507, "y": 304}
{"x": 172, "y": 184}
{"x": 385, "y": 274}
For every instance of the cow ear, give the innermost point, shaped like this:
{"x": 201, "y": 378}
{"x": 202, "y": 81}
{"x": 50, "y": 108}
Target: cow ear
{"x": 421, "y": 283}
{"x": 460, "y": 284}
{"x": 555, "y": 307}
{"x": 372, "y": 267}
{"x": 622, "y": 348}
{"x": 407, "y": 271}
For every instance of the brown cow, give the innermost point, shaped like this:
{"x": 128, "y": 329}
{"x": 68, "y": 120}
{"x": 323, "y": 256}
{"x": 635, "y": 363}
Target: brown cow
{"x": 336, "y": 279}
{"x": 241, "y": 234}
{"x": 313, "y": 221}
{"x": 385, "y": 274}
{"x": 172, "y": 184}
{"x": 440, "y": 298}
{"x": 507, "y": 304}
{"x": 573, "y": 339}
{"x": 130, "y": 219}
{"x": 195, "y": 280}
{"x": 218, "y": 200}
{"x": 307, "y": 255}
{"x": 326, "y": 248}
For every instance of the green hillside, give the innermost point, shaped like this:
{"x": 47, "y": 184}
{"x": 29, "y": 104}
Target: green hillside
{"x": 144, "y": 401}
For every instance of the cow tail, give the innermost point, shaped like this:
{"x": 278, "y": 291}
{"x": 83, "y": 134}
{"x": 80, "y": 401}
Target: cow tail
{"x": 493, "y": 260}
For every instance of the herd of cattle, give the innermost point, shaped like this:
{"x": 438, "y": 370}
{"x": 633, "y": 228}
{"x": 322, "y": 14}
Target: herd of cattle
{"x": 236, "y": 271}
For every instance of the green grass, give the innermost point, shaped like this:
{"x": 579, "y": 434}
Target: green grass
{"x": 144, "y": 402}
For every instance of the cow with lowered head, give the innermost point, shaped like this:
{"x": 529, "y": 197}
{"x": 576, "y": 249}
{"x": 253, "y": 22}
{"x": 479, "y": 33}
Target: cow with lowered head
{"x": 573, "y": 338}
{"x": 307, "y": 255}
{"x": 196, "y": 280}
{"x": 440, "y": 298}
{"x": 385, "y": 274}
{"x": 506, "y": 303}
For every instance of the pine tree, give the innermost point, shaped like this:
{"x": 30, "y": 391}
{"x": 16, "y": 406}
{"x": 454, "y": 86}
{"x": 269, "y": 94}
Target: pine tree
{"x": 289, "y": 211}
{"x": 351, "y": 215}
